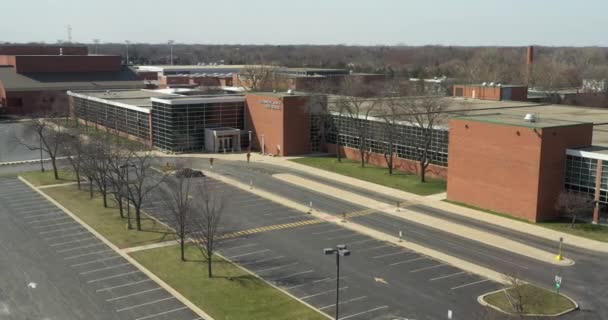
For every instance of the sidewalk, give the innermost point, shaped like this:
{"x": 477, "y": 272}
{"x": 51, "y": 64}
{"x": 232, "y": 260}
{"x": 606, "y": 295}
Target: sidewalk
{"x": 433, "y": 201}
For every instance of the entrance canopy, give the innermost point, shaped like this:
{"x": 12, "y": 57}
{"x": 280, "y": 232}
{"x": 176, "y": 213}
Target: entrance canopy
{"x": 222, "y": 139}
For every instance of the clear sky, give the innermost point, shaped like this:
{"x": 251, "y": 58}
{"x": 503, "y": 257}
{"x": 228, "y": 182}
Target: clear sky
{"x": 366, "y": 22}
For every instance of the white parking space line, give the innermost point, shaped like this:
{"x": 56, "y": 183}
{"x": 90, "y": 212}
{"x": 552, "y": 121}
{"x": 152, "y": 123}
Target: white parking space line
{"x": 112, "y": 277}
{"x": 94, "y": 261}
{"x": 277, "y": 267}
{"x": 374, "y": 248}
{"x": 363, "y": 312}
{"x": 30, "y": 206}
{"x": 43, "y": 215}
{"x": 293, "y": 275}
{"x": 134, "y": 294}
{"x": 263, "y": 260}
{"x": 87, "y": 246}
{"x": 330, "y": 231}
{"x": 315, "y": 281}
{"x": 344, "y": 302}
{"x": 66, "y": 235}
{"x": 324, "y": 292}
{"x": 46, "y": 220}
{"x": 247, "y": 254}
{"x": 72, "y": 228}
{"x": 145, "y": 304}
{"x": 73, "y": 241}
{"x": 346, "y": 236}
{"x": 87, "y": 254}
{"x": 243, "y": 246}
{"x": 390, "y": 254}
{"x": 106, "y": 268}
{"x": 163, "y": 313}
{"x": 447, "y": 276}
{"x": 362, "y": 241}
{"x": 123, "y": 285}
{"x": 37, "y": 210}
{"x": 431, "y": 267}
{"x": 53, "y": 225}
{"x": 469, "y": 284}
{"x": 19, "y": 202}
{"x": 406, "y": 261}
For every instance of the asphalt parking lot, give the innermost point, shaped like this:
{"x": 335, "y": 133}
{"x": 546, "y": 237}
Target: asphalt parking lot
{"x": 378, "y": 281}
{"x": 54, "y": 269}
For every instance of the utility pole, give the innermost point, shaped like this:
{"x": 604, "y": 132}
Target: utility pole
{"x": 96, "y": 42}
{"x": 171, "y": 42}
{"x": 69, "y": 33}
{"x": 127, "y": 42}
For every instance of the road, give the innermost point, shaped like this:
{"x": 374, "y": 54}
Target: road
{"x": 583, "y": 281}
{"x": 10, "y": 149}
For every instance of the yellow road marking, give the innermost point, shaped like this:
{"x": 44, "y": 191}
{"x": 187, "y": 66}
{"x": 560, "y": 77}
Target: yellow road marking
{"x": 368, "y": 211}
{"x": 270, "y": 228}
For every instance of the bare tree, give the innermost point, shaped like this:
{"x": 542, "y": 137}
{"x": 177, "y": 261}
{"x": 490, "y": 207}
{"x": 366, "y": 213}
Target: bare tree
{"x": 258, "y": 77}
{"x": 206, "y": 219}
{"x": 73, "y": 149}
{"x": 95, "y": 165}
{"x": 49, "y": 139}
{"x": 574, "y": 205}
{"x": 178, "y": 199}
{"x": 427, "y": 114}
{"x": 357, "y": 100}
{"x": 142, "y": 180}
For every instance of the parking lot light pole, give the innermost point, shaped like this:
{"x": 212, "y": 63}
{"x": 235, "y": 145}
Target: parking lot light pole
{"x": 126, "y": 168}
{"x": 339, "y": 251}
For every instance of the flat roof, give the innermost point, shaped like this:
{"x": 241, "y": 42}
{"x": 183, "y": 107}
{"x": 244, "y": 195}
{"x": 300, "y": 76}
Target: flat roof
{"x": 519, "y": 121}
{"x": 494, "y": 86}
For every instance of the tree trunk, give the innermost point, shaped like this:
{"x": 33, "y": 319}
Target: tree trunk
{"x": 54, "y": 164}
{"x": 90, "y": 188}
{"x": 422, "y": 172}
{"x": 210, "y": 274}
{"x": 78, "y": 177}
{"x": 573, "y": 221}
{"x": 122, "y": 215}
{"x": 362, "y": 154}
{"x": 137, "y": 217}
{"x": 181, "y": 243}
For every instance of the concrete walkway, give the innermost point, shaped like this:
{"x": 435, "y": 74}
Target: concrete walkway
{"x": 433, "y": 201}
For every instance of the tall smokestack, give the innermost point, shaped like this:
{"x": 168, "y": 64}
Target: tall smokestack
{"x": 530, "y": 55}
{"x": 530, "y": 62}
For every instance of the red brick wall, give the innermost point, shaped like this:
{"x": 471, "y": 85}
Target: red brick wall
{"x": 35, "y": 102}
{"x": 296, "y": 122}
{"x": 165, "y": 81}
{"x": 147, "y": 75}
{"x": 400, "y": 164}
{"x": 265, "y": 121}
{"x": 553, "y": 163}
{"x": 42, "y": 50}
{"x": 26, "y": 64}
{"x": 479, "y": 92}
{"x": 510, "y": 169}
{"x": 7, "y": 61}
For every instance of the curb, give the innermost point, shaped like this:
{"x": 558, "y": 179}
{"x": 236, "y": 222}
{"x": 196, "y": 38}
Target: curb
{"x": 12, "y": 163}
{"x": 482, "y": 302}
{"x": 119, "y": 251}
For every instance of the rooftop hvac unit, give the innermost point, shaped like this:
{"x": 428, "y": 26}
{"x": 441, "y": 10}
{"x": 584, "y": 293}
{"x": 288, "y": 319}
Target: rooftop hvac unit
{"x": 530, "y": 117}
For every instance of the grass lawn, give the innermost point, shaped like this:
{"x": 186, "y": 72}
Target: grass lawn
{"x": 535, "y": 300}
{"x": 375, "y": 174}
{"x": 581, "y": 229}
{"x": 47, "y": 177}
{"x": 231, "y": 294}
{"x": 107, "y": 221}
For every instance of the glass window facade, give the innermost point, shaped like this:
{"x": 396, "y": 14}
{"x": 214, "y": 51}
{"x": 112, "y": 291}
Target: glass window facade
{"x": 581, "y": 173}
{"x": 180, "y": 128}
{"x": 344, "y": 130}
{"x": 132, "y": 122}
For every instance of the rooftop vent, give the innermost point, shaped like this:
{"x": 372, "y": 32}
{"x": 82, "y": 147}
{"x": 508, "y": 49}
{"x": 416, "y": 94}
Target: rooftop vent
{"x": 530, "y": 117}
{"x": 290, "y": 92}
{"x": 484, "y": 84}
{"x": 491, "y": 84}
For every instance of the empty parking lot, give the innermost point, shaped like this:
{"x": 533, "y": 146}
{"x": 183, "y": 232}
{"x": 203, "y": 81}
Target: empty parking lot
{"x": 54, "y": 269}
{"x": 378, "y": 281}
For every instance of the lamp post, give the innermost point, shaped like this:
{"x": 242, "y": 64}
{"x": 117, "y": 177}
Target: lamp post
{"x": 340, "y": 251}
{"x": 126, "y": 168}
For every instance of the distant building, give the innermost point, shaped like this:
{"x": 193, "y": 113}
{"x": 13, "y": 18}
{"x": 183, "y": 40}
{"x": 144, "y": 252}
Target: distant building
{"x": 35, "y": 79}
{"x": 491, "y": 91}
{"x": 437, "y": 85}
